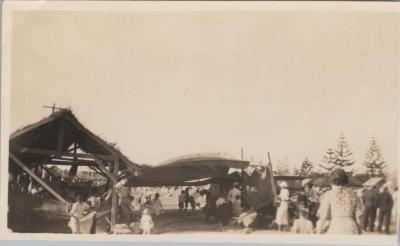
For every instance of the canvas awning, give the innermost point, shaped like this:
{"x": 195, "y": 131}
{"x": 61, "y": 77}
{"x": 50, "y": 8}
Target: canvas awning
{"x": 374, "y": 181}
{"x": 187, "y": 170}
{"x": 326, "y": 181}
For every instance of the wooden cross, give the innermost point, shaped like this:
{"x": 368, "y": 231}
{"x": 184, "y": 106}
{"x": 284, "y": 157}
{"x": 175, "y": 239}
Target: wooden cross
{"x": 53, "y": 108}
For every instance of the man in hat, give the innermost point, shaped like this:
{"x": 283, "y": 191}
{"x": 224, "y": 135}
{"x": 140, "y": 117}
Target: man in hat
{"x": 385, "y": 206}
{"x": 312, "y": 202}
{"x": 371, "y": 203}
{"x": 234, "y": 197}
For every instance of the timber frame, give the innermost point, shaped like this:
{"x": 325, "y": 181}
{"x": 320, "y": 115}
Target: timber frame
{"x": 56, "y": 140}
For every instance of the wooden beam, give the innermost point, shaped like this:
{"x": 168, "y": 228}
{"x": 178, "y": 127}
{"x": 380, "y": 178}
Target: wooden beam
{"x": 48, "y": 170}
{"x": 70, "y": 163}
{"x": 66, "y": 158}
{"x": 75, "y": 146}
{"x": 55, "y": 153}
{"x": 105, "y": 170}
{"x": 98, "y": 171}
{"x": 39, "y": 180}
{"x": 61, "y": 132}
{"x": 114, "y": 201}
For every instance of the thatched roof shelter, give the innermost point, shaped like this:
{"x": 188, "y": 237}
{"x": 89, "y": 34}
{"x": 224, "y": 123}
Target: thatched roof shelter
{"x": 46, "y": 140}
{"x": 60, "y": 139}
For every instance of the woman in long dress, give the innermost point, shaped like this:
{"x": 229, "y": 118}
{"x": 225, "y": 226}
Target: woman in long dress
{"x": 77, "y": 213}
{"x": 156, "y": 204}
{"x": 339, "y": 205}
{"x": 282, "y": 212}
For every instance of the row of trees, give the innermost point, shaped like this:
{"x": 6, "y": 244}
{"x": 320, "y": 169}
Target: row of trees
{"x": 342, "y": 157}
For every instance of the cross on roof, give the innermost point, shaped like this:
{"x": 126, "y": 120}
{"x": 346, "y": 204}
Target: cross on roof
{"x": 53, "y": 108}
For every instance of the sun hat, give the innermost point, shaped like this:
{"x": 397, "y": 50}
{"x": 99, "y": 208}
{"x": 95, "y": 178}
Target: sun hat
{"x": 283, "y": 184}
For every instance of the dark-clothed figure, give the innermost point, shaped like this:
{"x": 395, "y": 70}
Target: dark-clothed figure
{"x": 181, "y": 201}
{"x": 371, "y": 203}
{"x": 187, "y": 198}
{"x": 312, "y": 203}
{"x": 210, "y": 205}
{"x": 224, "y": 210}
{"x": 125, "y": 210}
{"x": 385, "y": 205}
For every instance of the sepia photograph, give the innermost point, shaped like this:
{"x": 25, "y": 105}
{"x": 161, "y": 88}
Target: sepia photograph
{"x": 237, "y": 122}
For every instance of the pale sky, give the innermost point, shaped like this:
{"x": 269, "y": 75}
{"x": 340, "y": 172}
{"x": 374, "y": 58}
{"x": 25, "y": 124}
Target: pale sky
{"x": 164, "y": 84}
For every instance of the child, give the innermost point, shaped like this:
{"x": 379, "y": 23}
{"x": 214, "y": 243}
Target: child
{"x": 247, "y": 218}
{"x": 146, "y": 222}
{"x": 302, "y": 224}
{"x": 181, "y": 200}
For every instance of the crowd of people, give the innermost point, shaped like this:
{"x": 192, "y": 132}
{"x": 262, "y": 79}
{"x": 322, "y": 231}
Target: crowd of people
{"x": 338, "y": 209}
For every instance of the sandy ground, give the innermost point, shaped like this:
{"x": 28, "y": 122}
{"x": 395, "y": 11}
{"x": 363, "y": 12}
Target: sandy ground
{"x": 194, "y": 221}
{"x": 172, "y": 221}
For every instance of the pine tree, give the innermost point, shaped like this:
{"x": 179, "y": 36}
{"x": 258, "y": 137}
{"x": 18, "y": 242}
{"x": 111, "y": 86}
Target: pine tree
{"x": 374, "y": 161}
{"x": 343, "y": 155}
{"x": 328, "y": 160}
{"x": 282, "y": 168}
{"x": 306, "y": 167}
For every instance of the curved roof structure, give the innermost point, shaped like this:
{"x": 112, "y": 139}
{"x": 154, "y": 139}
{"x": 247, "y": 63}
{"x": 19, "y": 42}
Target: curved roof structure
{"x": 189, "y": 169}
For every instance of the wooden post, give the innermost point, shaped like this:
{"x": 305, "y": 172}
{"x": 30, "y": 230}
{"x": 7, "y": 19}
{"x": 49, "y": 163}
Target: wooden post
{"x": 73, "y": 170}
{"x": 60, "y": 139}
{"x": 243, "y": 187}
{"x": 114, "y": 201}
{"x": 272, "y": 175}
{"x": 39, "y": 180}
{"x": 104, "y": 169}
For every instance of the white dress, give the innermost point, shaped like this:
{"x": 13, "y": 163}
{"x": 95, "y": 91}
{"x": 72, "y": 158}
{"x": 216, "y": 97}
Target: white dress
{"x": 157, "y": 207}
{"x": 146, "y": 222}
{"x": 339, "y": 205}
{"x": 77, "y": 211}
{"x": 302, "y": 226}
{"x": 282, "y": 211}
{"x": 236, "y": 203}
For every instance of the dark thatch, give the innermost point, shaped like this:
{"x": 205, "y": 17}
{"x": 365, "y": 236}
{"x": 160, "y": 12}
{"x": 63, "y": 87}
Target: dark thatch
{"x": 44, "y": 134}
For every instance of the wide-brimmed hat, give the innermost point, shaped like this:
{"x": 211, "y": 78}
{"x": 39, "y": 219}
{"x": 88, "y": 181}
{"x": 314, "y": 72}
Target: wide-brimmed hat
{"x": 283, "y": 184}
{"x": 305, "y": 182}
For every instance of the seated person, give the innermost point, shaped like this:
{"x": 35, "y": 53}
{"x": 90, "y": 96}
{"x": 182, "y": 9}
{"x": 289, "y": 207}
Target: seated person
{"x": 302, "y": 224}
{"x": 224, "y": 210}
{"x": 247, "y": 218}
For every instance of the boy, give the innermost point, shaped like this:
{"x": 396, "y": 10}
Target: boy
{"x": 181, "y": 200}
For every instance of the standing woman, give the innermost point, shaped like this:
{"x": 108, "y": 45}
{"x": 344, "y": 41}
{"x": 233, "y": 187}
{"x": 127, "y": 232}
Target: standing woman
{"x": 77, "y": 212}
{"x": 340, "y": 205}
{"x": 156, "y": 204}
{"x": 282, "y": 212}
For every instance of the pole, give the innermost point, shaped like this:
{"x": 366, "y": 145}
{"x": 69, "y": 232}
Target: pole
{"x": 272, "y": 176}
{"x": 114, "y": 201}
{"x": 241, "y": 152}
